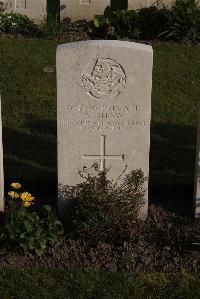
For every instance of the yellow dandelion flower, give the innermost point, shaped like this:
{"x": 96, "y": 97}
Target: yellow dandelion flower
{"x": 26, "y": 204}
{"x": 27, "y": 197}
{"x": 16, "y": 185}
{"x": 13, "y": 194}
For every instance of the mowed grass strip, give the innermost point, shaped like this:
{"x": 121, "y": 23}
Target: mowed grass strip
{"x": 29, "y": 116}
{"x": 40, "y": 283}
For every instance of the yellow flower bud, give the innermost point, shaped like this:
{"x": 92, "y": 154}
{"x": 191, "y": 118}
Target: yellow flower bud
{"x": 26, "y": 204}
{"x": 13, "y": 194}
{"x": 16, "y": 185}
{"x": 27, "y": 197}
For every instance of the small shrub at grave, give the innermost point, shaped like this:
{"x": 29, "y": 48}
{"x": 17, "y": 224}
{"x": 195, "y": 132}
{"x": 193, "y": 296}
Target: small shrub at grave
{"x": 17, "y": 24}
{"x": 24, "y": 228}
{"x": 51, "y": 29}
{"x": 121, "y": 23}
{"x": 183, "y": 21}
{"x": 104, "y": 210}
{"x": 125, "y": 24}
{"x": 151, "y": 21}
{"x": 103, "y": 25}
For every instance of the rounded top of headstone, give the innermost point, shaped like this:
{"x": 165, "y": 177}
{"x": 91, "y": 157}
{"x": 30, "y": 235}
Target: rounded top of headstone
{"x": 106, "y": 43}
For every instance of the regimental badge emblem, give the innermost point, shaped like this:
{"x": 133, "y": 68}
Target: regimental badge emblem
{"x": 104, "y": 80}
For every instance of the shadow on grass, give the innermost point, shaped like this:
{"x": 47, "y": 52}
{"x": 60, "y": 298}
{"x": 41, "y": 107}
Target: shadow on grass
{"x": 31, "y": 158}
{"x": 172, "y": 167}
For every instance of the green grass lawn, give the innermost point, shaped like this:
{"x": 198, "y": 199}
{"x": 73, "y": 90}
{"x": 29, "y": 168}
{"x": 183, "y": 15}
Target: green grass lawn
{"x": 29, "y": 117}
{"x": 17, "y": 283}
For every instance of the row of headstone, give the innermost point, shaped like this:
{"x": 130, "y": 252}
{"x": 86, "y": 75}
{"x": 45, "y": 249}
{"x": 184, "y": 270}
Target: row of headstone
{"x": 86, "y": 9}
{"x": 72, "y": 9}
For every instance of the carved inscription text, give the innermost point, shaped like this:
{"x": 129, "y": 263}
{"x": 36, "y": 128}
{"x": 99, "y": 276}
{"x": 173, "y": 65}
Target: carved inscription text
{"x": 103, "y": 118}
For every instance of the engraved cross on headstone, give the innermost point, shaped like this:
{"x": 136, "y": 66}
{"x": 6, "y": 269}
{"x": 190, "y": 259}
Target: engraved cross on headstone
{"x": 103, "y": 157}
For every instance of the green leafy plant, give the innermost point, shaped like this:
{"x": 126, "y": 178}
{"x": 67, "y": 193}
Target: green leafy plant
{"x": 25, "y": 228}
{"x": 125, "y": 24}
{"x": 79, "y": 26}
{"x": 51, "y": 28}
{"x": 106, "y": 210}
{"x": 103, "y": 25}
{"x": 151, "y": 21}
{"x": 120, "y": 23}
{"x": 17, "y": 24}
{"x": 183, "y": 21}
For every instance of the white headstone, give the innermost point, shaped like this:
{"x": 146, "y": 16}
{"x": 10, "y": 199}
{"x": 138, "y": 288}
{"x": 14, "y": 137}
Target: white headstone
{"x": 1, "y": 165}
{"x": 104, "y": 108}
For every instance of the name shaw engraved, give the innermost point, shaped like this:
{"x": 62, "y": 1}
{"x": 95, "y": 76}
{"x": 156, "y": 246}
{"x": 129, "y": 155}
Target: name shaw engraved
{"x": 103, "y": 117}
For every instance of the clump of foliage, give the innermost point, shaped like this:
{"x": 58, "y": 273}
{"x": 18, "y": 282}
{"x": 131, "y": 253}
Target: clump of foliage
{"x": 17, "y": 24}
{"x": 146, "y": 23}
{"x": 151, "y": 21}
{"x": 103, "y": 25}
{"x": 120, "y": 23}
{"x": 125, "y": 24}
{"x": 25, "y": 228}
{"x": 79, "y": 26}
{"x": 173, "y": 236}
{"x": 180, "y": 23}
{"x": 183, "y": 21}
{"x": 104, "y": 210}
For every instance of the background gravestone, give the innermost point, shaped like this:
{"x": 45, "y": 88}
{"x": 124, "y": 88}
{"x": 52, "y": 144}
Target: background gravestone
{"x": 34, "y": 9}
{"x": 81, "y": 9}
{"x": 104, "y": 108}
{"x": 87, "y": 9}
{"x": 1, "y": 165}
